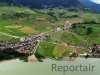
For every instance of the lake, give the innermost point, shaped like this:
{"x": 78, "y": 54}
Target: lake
{"x": 17, "y": 67}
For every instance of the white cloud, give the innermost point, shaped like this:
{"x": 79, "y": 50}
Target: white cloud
{"x": 96, "y": 1}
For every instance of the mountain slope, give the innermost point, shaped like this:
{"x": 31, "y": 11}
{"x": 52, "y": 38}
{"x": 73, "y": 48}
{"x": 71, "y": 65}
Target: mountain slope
{"x": 42, "y": 3}
{"x": 90, "y": 4}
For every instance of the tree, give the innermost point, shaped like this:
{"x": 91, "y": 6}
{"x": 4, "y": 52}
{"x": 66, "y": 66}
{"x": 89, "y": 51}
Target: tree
{"x": 89, "y": 30}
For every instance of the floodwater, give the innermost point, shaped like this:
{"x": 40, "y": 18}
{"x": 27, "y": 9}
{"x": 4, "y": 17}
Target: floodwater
{"x": 17, "y": 67}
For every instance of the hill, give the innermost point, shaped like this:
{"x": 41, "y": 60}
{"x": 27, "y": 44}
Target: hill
{"x": 18, "y": 20}
{"x": 90, "y": 4}
{"x": 42, "y": 3}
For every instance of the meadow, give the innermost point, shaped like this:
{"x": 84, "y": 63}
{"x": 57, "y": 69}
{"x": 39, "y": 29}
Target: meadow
{"x": 23, "y": 21}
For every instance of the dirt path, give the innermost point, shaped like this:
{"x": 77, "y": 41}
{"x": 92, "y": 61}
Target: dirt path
{"x": 9, "y": 35}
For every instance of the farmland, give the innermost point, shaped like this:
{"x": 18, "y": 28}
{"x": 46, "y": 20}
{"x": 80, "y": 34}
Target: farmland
{"x": 22, "y": 21}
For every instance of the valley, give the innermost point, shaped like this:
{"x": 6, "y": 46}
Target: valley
{"x": 17, "y": 22}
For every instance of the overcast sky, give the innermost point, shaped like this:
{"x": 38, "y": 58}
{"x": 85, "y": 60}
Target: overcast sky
{"x": 96, "y": 1}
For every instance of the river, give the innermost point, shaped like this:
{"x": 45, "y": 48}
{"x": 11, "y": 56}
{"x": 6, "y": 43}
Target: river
{"x": 17, "y": 67}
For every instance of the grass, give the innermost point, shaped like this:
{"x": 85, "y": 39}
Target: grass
{"x": 71, "y": 39}
{"x": 96, "y": 41}
{"x": 13, "y": 26}
{"x": 5, "y": 22}
{"x": 46, "y": 49}
{"x": 68, "y": 37}
{"x": 38, "y": 21}
{"x": 28, "y": 30}
{"x": 91, "y": 38}
{"x": 33, "y": 22}
{"x": 23, "y": 27}
{"x": 16, "y": 32}
{"x": 5, "y": 37}
{"x": 78, "y": 36}
{"x": 12, "y": 9}
{"x": 60, "y": 51}
{"x": 57, "y": 35}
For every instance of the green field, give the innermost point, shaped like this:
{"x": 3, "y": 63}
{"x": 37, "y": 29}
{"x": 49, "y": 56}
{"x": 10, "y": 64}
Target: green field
{"x": 47, "y": 49}
{"x": 93, "y": 37}
{"x": 23, "y": 21}
{"x": 5, "y": 37}
{"x": 78, "y": 35}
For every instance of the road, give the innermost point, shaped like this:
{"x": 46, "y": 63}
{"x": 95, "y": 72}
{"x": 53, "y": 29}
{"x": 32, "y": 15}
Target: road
{"x": 29, "y": 46}
{"x": 66, "y": 27}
